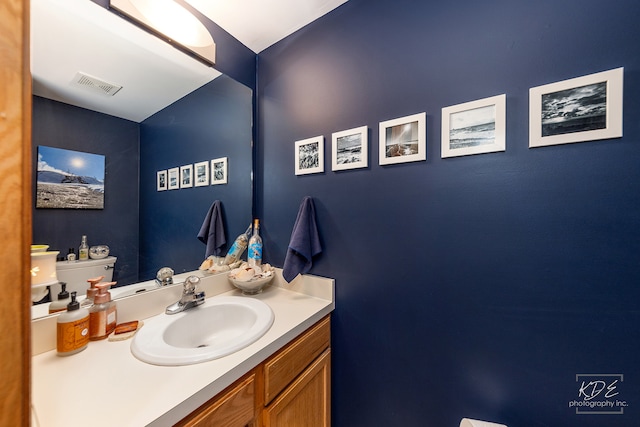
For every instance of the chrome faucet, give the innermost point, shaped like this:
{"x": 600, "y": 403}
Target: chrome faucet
{"x": 190, "y": 298}
{"x": 164, "y": 277}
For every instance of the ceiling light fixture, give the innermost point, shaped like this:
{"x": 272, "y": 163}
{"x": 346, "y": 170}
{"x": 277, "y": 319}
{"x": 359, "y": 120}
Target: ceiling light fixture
{"x": 173, "y": 23}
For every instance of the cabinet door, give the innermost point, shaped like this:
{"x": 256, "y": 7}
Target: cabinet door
{"x": 234, "y": 408}
{"x": 307, "y": 401}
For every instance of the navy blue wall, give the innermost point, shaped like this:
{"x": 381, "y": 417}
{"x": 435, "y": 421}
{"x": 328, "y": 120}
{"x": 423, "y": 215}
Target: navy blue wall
{"x": 211, "y": 122}
{"x": 63, "y": 126}
{"x": 473, "y": 286}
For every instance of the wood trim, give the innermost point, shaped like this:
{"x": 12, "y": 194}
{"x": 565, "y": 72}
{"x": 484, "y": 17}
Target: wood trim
{"x": 15, "y": 219}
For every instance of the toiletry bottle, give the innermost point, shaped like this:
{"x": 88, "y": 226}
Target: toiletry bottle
{"x": 238, "y": 247}
{"x": 72, "y": 329}
{"x": 102, "y": 314}
{"x": 83, "y": 250}
{"x": 71, "y": 256}
{"x": 63, "y": 299}
{"x": 255, "y": 246}
{"x": 92, "y": 291}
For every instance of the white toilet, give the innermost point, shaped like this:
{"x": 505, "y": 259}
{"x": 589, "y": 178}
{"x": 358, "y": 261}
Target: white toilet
{"x": 75, "y": 274}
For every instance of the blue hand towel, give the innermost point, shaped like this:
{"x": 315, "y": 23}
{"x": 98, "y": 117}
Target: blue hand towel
{"x": 304, "y": 243}
{"x": 212, "y": 230}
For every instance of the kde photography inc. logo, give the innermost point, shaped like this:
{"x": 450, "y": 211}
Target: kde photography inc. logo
{"x": 599, "y": 394}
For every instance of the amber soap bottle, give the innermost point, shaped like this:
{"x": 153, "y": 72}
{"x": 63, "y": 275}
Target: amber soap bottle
{"x": 102, "y": 314}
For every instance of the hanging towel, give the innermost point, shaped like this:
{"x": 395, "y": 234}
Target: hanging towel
{"x": 212, "y": 230}
{"x": 304, "y": 243}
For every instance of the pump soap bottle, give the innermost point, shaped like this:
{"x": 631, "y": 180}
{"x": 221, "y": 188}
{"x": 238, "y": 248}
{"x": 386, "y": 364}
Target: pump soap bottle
{"x": 102, "y": 315}
{"x": 72, "y": 329}
{"x": 92, "y": 291}
{"x": 63, "y": 300}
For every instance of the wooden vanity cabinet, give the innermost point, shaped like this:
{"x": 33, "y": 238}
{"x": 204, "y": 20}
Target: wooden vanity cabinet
{"x": 290, "y": 389}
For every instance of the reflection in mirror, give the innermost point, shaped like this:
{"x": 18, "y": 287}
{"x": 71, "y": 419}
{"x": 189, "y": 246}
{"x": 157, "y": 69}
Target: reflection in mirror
{"x": 145, "y": 229}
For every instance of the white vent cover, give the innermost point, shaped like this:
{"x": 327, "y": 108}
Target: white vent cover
{"x": 95, "y": 84}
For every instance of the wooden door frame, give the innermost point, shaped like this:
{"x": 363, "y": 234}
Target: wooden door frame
{"x": 15, "y": 216}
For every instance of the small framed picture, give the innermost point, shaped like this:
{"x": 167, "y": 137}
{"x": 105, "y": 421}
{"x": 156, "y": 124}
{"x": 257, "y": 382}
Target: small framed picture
{"x": 474, "y": 127}
{"x": 403, "y": 140}
{"x": 309, "y": 155}
{"x": 173, "y": 178}
{"x": 350, "y": 149}
{"x": 586, "y": 108}
{"x": 201, "y": 174}
{"x": 186, "y": 176}
{"x": 161, "y": 180}
{"x": 219, "y": 171}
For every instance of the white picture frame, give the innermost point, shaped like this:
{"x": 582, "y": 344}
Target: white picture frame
{"x": 173, "y": 179}
{"x": 186, "y": 176}
{"x": 161, "y": 180}
{"x": 309, "y": 156}
{"x": 219, "y": 171}
{"x": 581, "y": 109}
{"x": 350, "y": 149}
{"x": 474, "y": 127}
{"x": 403, "y": 139}
{"x": 201, "y": 174}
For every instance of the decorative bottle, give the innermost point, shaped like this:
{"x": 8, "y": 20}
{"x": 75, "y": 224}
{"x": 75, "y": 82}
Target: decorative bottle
{"x": 255, "y": 246}
{"x": 83, "y": 250}
{"x": 238, "y": 247}
{"x": 72, "y": 329}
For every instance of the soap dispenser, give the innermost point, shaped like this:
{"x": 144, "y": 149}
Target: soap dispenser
{"x": 63, "y": 300}
{"x": 72, "y": 329}
{"x": 91, "y": 291}
{"x": 102, "y": 314}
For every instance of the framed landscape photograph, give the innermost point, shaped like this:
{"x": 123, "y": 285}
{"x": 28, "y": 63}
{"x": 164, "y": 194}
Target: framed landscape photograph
{"x": 309, "y": 156}
{"x": 219, "y": 171}
{"x": 173, "y": 179}
{"x": 67, "y": 179}
{"x": 349, "y": 149}
{"x": 201, "y": 174}
{"x": 474, "y": 127}
{"x": 403, "y": 140}
{"x": 586, "y": 108}
{"x": 161, "y": 180}
{"x": 186, "y": 176}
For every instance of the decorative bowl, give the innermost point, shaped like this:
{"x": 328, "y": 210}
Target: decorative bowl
{"x": 253, "y": 286}
{"x": 39, "y": 248}
{"x": 98, "y": 252}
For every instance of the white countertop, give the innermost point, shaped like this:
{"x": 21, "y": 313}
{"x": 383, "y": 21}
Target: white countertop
{"x": 105, "y": 385}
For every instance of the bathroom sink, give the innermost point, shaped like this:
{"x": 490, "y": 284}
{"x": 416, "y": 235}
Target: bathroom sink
{"x": 217, "y": 328}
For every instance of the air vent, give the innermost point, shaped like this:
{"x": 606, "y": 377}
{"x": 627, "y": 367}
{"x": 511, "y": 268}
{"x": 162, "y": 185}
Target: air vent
{"x": 95, "y": 84}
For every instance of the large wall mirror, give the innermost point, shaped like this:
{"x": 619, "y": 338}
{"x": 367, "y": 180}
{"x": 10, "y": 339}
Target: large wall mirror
{"x": 172, "y": 111}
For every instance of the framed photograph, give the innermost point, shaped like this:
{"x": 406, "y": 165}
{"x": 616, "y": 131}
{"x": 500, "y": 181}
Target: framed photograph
{"x": 403, "y": 140}
{"x": 186, "y": 176}
{"x": 350, "y": 149}
{"x": 586, "y": 108}
{"x": 310, "y": 155}
{"x": 219, "y": 171}
{"x": 201, "y": 174}
{"x": 173, "y": 179}
{"x": 67, "y": 179}
{"x": 474, "y": 127}
{"x": 161, "y": 180}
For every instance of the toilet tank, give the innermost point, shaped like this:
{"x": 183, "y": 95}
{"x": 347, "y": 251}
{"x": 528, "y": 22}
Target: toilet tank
{"x": 76, "y": 273}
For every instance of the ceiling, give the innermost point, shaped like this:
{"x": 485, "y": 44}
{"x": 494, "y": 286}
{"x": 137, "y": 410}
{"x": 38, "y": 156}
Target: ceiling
{"x": 78, "y": 36}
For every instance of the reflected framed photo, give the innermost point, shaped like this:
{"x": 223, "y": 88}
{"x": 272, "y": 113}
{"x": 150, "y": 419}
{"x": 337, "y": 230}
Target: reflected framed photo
{"x": 161, "y": 180}
{"x": 219, "y": 171}
{"x": 201, "y": 174}
{"x": 173, "y": 179}
{"x": 309, "y": 156}
{"x": 349, "y": 149}
{"x": 403, "y": 140}
{"x": 474, "y": 127}
{"x": 186, "y": 176}
{"x": 585, "y": 108}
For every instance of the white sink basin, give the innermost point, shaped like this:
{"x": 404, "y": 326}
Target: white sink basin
{"x": 217, "y": 328}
